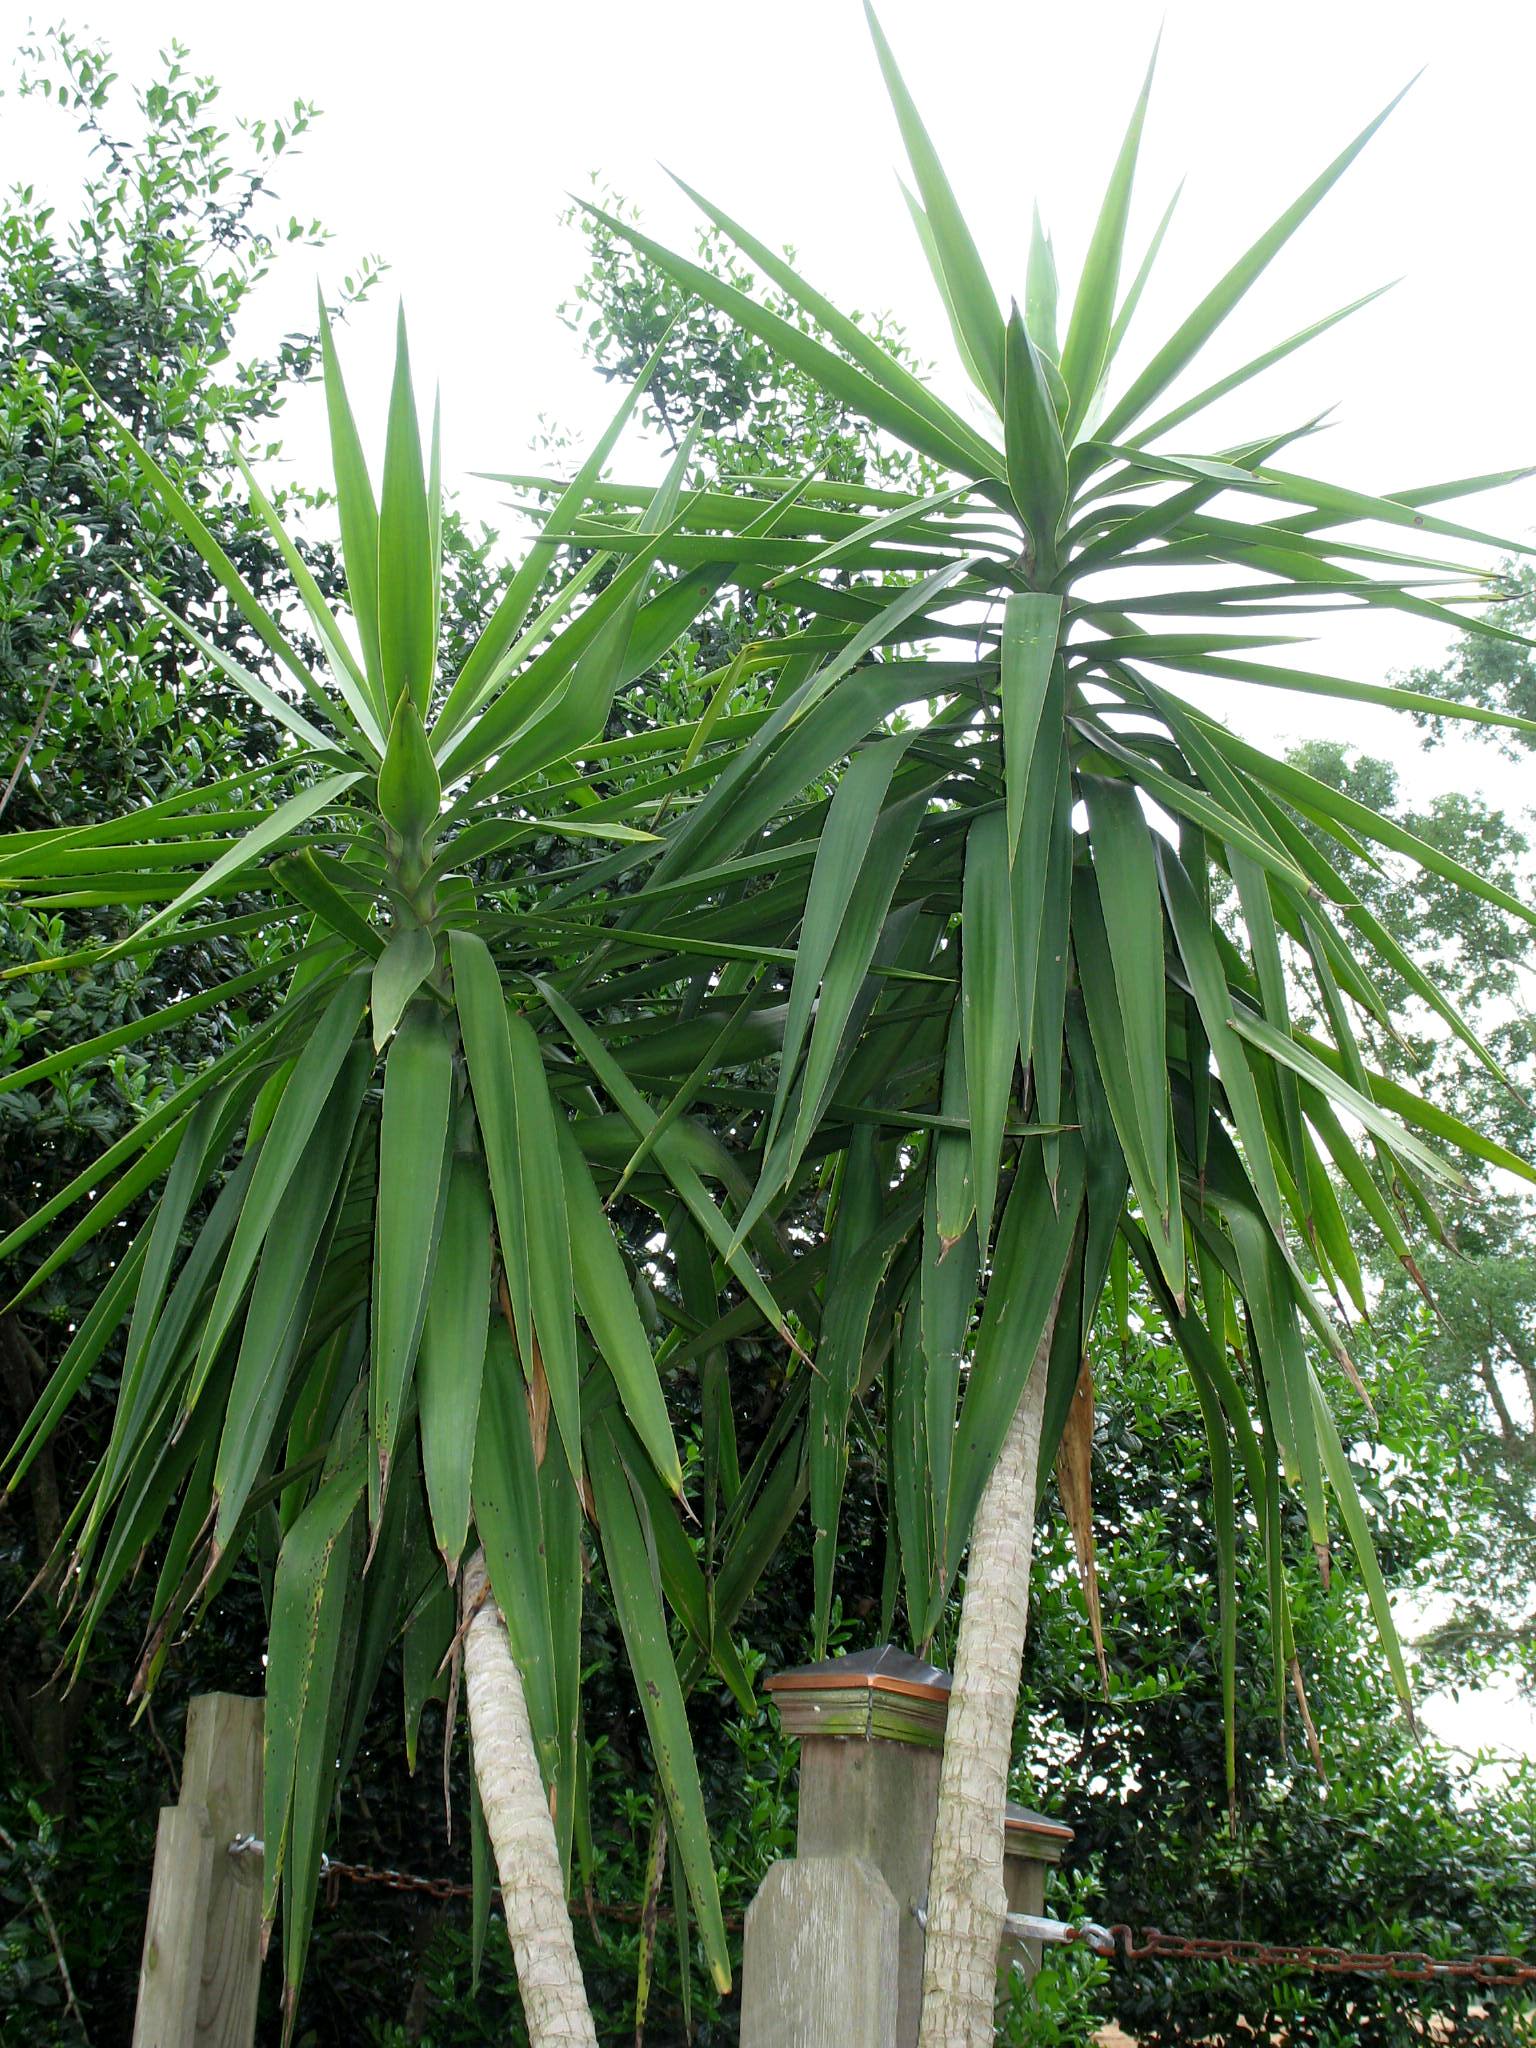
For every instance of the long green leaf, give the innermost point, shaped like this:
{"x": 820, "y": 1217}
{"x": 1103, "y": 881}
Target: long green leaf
{"x": 643, "y": 1625}
{"x": 451, "y": 1362}
{"x": 413, "y": 1164}
{"x": 407, "y": 565}
{"x": 1191, "y": 337}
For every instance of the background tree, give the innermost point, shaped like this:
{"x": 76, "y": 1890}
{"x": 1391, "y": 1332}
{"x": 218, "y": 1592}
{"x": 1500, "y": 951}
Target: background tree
{"x": 1373, "y": 1838}
{"x": 1475, "y": 1327}
{"x": 137, "y": 289}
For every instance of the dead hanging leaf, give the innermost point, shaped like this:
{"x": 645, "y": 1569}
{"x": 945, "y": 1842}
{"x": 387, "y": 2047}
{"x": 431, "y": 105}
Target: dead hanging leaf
{"x": 538, "y": 1408}
{"x": 1074, "y": 1482}
{"x": 1298, "y": 1686}
{"x": 538, "y": 1382}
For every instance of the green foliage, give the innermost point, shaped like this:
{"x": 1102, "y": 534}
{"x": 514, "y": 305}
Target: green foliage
{"x": 1478, "y": 1338}
{"x": 1391, "y": 1844}
{"x": 1497, "y": 674}
{"x": 139, "y": 290}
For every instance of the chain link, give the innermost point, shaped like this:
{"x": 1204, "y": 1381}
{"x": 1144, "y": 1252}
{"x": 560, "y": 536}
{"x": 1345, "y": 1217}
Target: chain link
{"x": 334, "y": 1873}
{"x": 1407, "y": 1966}
{"x": 1410, "y": 1966}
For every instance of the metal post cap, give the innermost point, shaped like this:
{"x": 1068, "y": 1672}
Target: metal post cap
{"x": 883, "y": 1694}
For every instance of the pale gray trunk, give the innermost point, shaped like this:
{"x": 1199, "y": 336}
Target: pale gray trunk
{"x": 517, "y": 1818}
{"x": 966, "y": 1901}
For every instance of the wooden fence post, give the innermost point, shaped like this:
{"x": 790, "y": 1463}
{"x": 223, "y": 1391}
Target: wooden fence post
{"x": 819, "y": 1962}
{"x": 871, "y": 1729}
{"x": 1031, "y": 1845}
{"x": 832, "y": 1934}
{"x": 201, "y": 1966}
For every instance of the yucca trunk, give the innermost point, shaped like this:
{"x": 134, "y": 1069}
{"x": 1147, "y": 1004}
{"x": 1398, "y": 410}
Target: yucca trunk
{"x": 517, "y": 1818}
{"x": 966, "y": 1901}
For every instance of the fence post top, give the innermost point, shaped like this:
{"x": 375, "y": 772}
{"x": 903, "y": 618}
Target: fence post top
{"x": 1036, "y": 1835}
{"x": 883, "y": 1694}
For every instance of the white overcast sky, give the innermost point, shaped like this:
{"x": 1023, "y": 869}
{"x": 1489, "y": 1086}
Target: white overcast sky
{"x": 451, "y": 136}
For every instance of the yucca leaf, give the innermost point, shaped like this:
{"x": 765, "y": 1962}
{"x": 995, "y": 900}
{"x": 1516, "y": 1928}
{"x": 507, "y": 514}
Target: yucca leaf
{"x": 1255, "y": 368}
{"x": 1041, "y": 291}
{"x": 679, "y": 1170}
{"x": 482, "y": 1012}
{"x": 315, "y": 881}
{"x": 682, "y": 1582}
{"x": 1086, "y": 350}
{"x": 948, "y": 1283}
{"x": 607, "y": 1304}
{"x": 1191, "y": 337}
{"x": 271, "y": 701}
{"x": 988, "y": 1002}
{"x": 1127, "y": 308}
{"x": 413, "y": 1165}
{"x": 911, "y": 1499}
{"x": 967, "y": 285}
{"x": 1037, "y": 459}
{"x": 407, "y": 565}
{"x": 282, "y": 1295}
{"x": 68, "y": 1057}
{"x": 1391, "y": 1096}
{"x": 351, "y": 682}
{"x": 1342, "y": 1482}
{"x": 407, "y": 959}
{"x": 884, "y": 368}
{"x": 853, "y": 951}
{"x": 644, "y": 1629}
{"x": 1197, "y": 949}
{"x": 509, "y": 1522}
{"x": 425, "y": 1642}
{"x": 1156, "y": 1183}
{"x": 96, "y": 1329}
{"x": 1053, "y": 955}
{"x": 565, "y": 1574}
{"x": 451, "y": 1361}
{"x": 358, "y": 516}
{"x": 546, "y": 1232}
{"x": 485, "y": 665}
{"x": 839, "y": 1359}
{"x": 410, "y": 793}
{"x": 255, "y": 614}
{"x": 315, "y": 1572}
{"x": 841, "y": 849}
{"x": 384, "y": 1604}
{"x": 145, "y": 1411}
{"x": 853, "y": 387}
{"x": 304, "y": 1096}
{"x": 1125, "y": 870}
{"x": 270, "y": 833}
{"x": 954, "y": 1187}
{"x": 1031, "y": 624}
{"x": 1345, "y": 689}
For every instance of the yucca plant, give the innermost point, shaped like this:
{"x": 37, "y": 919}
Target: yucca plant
{"x": 921, "y": 998}
{"x": 1143, "y": 905}
{"x": 379, "y": 1324}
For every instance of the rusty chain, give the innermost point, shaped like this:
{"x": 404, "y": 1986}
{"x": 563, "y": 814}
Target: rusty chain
{"x": 333, "y": 1873}
{"x": 1411, "y": 1966}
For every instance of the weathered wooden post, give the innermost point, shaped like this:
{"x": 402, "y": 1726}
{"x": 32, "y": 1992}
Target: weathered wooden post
{"x": 201, "y": 1966}
{"x": 834, "y": 1946}
{"x": 1031, "y": 1845}
{"x": 871, "y": 1728}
